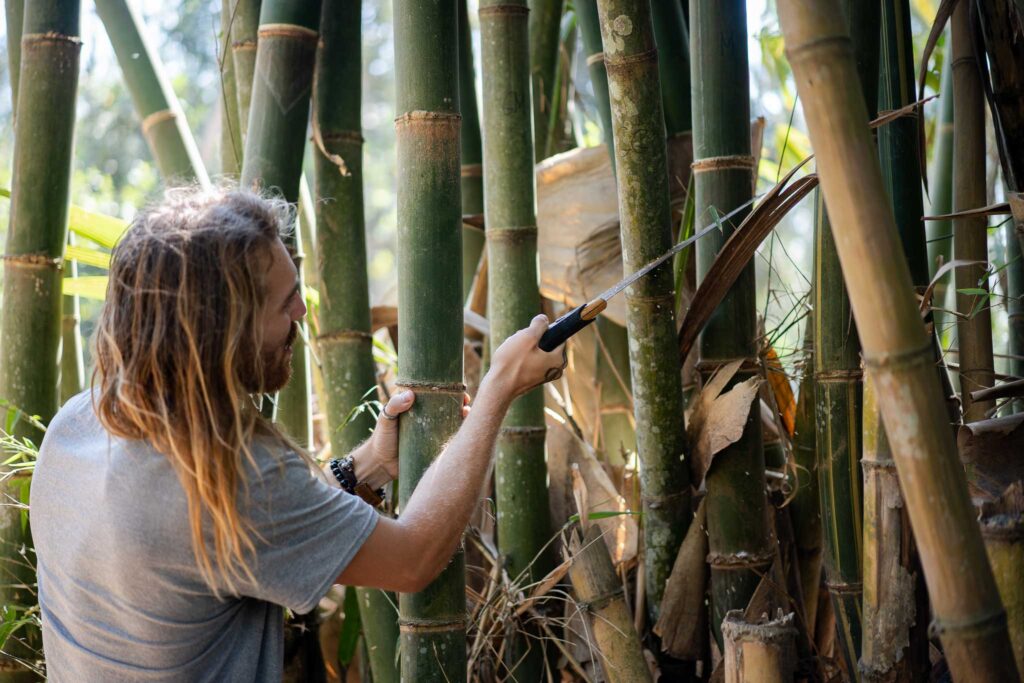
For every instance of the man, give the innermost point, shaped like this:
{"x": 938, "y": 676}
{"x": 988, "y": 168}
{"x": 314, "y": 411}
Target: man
{"x": 172, "y": 523}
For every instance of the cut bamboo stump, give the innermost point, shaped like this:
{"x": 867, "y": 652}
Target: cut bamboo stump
{"x": 599, "y": 592}
{"x": 762, "y": 652}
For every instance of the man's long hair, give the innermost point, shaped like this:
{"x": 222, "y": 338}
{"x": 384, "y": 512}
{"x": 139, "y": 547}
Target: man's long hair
{"x": 178, "y": 354}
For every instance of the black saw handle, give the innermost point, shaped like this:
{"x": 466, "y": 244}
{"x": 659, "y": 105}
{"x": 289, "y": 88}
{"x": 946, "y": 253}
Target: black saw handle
{"x": 563, "y": 328}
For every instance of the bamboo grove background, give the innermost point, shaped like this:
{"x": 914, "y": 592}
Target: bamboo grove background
{"x": 820, "y": 486}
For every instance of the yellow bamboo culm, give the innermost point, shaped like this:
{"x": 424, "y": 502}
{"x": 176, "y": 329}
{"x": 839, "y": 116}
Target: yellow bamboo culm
{"x": 761, "y": 652}
{"x": 968, "y": 614}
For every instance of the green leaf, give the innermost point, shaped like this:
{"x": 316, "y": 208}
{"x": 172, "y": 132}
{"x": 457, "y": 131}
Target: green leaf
{"x": 350, "y": 628}
{"x": 976, "y": 291}
{"x": 606, "y": 515}
{"x": 105, "y": 231}
{"x": 87, "y": 286}
{"x": 87, "y": 256}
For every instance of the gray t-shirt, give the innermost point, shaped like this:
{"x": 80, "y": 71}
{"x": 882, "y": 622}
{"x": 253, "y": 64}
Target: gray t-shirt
{"x": 120, "y": 593}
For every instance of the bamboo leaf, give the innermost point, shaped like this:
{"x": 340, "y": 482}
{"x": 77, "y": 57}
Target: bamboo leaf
{"x": 104, "y": 230}
{"x": 87, "y": 256}
{"x": 87, "y": 286}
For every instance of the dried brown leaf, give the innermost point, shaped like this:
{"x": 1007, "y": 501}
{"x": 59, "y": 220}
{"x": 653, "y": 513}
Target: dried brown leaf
{"x": 682, "y": 624}
{"x": 720, "y": 420}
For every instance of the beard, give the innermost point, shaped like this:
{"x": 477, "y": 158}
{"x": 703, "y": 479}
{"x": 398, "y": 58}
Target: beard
{"x": 275, "y": 367}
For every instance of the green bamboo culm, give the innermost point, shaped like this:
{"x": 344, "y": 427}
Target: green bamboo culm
{"x": 472, "y": 154}
{"x": 30, "y": 319}
{"x": 544, "y": 23}
{"x": 163, "y": 122}
{"x": 433, "y": 621}
{"x": 645, "y": 230}
{"x": 673, "y": 42}
{"x": 940, "y": 184}
{"x": 524, "y": 524}
{"x": 894, "y": 643}
{"x": 344, "y": 341}
{"x": 230, "y": 130}
{"x": 14, "y": 13}
{"x": 278, "y": 118}
{"x": 839, "y": 382}
{"x": 245, "y": 23}
{"x": 805, "y": 508}
{"x": 738, "y": 538}
{"x": 612, "y": 367}
{"x": 970, "y": 238}
{"x": 72, "y": 367}
{"x": 898, "y": 355}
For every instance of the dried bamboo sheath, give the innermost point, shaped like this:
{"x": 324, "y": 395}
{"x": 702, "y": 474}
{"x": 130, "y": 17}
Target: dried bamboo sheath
{"x": 524, "y": 523}
{"x": 969, "y": 616}
{"x": 30, "y": 328}
{"x": 970, "y": 237}
{"x": 163, "y": 122}
{"x": 645, "y": 222}
{"x": 344, "y": 342}
{"x": 739, "y": 541}
{"x": 432, "y": 622}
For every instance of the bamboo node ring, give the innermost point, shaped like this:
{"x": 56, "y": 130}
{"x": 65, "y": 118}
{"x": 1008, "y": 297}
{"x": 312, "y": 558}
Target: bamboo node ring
{"x": 707, "y": 366}
{"x": 430, "y": 625}
{"x": 839, "y": 375}
{"x": 31, "y": 40}
{"x": 733, "y": 162}
{"x": 432, "y": 387}
{"x": 472, "y": 170}
{"x": 498, "y": 10}
{"x": 523, "y": 432}
{"x": 288, "y": 31}
{"x": 156, "y": 118}
{"x": 741, "y": 560}
{"x": 512, "y": 235}
{"x": 33, "y": 260}
{"x": 342, "y": 336}
{"x": 612, "y": 63}
{"x": 343, "y": 136}
{"x": 969, "y": 628}
{"x": 601, "y": 601}
{"x": 887, "y": 464}
{"x": 243, "y": 45}
{"x": 439, "y": 117}
{"x": 847, "y": 588}
{"x": 839, "y": 42}
{"x": 900, "y": 360}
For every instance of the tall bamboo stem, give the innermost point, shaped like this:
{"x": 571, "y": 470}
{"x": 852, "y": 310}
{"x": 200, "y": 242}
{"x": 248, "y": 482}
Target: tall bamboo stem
{"x": 344, "y": 342}
{"x": 231, "y": 132}
{"x": 544, "y": 24}
{"x": 738, "y": 538}
{"x": 970, "y": 237}
{"x": 163, "y": 122}
{"x": 14, "y": 13}
{"x": 524, "y": 524}
{"x": 645, "y": 228}
{"x": 245, "y": 23}
{"x": 72, "y": 369}
{"x": 940, "y": 182}
{"x": 430, "y": 328}
{"x": 274, "y": 147}
{"x": 30, "y": 320}
{"x": 969, "y": 616}
{"x": 472, "y": 153}
{"x": 673, "y": 66}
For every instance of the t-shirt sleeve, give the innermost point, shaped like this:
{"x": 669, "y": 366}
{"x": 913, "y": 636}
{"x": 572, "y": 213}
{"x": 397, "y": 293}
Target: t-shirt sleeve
{"x": 306, "y": 531}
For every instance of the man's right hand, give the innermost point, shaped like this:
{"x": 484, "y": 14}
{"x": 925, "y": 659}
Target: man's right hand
{"x": 519, "y": 364}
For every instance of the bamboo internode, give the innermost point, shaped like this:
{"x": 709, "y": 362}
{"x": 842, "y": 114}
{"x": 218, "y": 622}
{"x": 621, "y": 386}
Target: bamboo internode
{"x": 969, "y": 617}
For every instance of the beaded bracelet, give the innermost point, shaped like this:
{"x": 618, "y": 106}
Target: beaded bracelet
{"x": 344, "y": 471}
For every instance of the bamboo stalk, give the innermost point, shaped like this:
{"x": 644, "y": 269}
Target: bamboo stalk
{"x": 805, "y": 508}
{"x": 895, "y": 638}
{"x": 430, "y": 353}
{"x": 599, "y": 590}
{"x": 839, "y": 382}
{"x": 970, "y": 240}
{"x": 940, "y": 233}
{"x": 969, "y": 617}
{"x": 30, "y": 319}
{"x": 544, "y": 24}
{"x": 759, "y": 652}
{"x": 344, "y": 341}
{"x": 673, "y": 43}
{"x": 524, "y": 524}
{"x": 645, "y": 229}
{"x": 590, "y": 31}
{"x": 230, "y": 131}
{"x": 72, "y": 369}
{"x": 14, "y": 14}
{"x": 163, "y": 122}
{"x": 1002, "y": 527}
{"x": 274, "y": 148}
{"x": 472, "y": 154}
{"x": 245, "y": 24}
{"x": 739, "y": 542}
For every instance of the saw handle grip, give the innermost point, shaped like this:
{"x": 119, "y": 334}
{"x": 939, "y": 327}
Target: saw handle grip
{"x": 563, "y": 328}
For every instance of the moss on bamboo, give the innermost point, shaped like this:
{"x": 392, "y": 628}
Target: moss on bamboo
{"x": 739, "y": 542}
{"x": 639, "y": 131}
{"x": 968, "y": 615}
{"x": 30, "y": 328}
{"x": 163, "y": 123}
{"x": 430, "y": 354}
